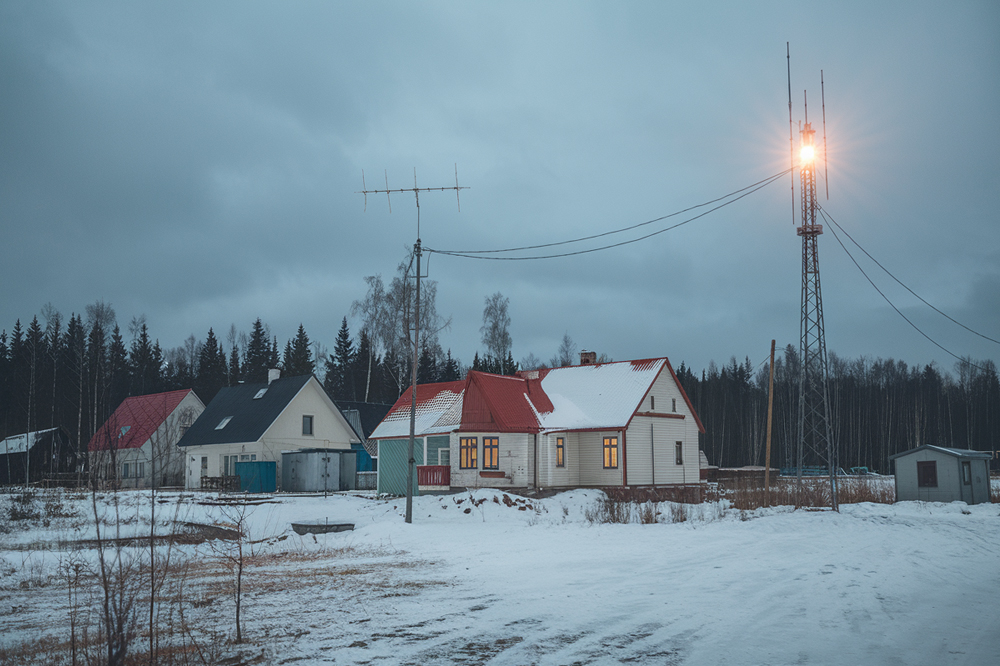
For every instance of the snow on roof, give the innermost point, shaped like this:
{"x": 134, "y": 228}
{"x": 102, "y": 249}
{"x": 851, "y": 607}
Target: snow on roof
{"x": 23, "y": 442}
{"x": 958, "y": 453}
{"x": 603, "y": 395}
{"x": 439, "y": 410}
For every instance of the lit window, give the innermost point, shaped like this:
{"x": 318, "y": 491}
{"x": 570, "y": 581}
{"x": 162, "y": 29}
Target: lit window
{"x": 307, "y": 424}
{"x": 679, "y": 452}
{"x": 468, "y": 450}
{"x": 927, "y": 474}
{"x": 260, "y": 393}
{"x": 223, "y": 423}
{"x": 560, "y": 452}
{"x": 491, "y": 452}
{"x": 610, "y": 453}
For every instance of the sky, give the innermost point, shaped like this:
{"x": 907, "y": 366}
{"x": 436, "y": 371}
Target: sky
{"x": 199, "y": 164}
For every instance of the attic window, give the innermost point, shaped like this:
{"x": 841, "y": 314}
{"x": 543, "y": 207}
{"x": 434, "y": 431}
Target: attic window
{"x": 125, "y": 429}
{"x": 223, "y": 423}
{"x": 260, "y": 393}
{"x": 652, "y": 403}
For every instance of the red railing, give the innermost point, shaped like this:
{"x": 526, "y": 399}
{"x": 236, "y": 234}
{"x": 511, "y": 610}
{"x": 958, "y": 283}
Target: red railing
{"x": 433, "y": 475}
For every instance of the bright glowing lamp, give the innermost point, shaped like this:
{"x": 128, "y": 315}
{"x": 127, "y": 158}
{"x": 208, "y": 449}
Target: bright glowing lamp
{"x": 808, "y": 154}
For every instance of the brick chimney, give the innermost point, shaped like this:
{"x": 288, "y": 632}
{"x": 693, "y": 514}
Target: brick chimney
{"x": 588, "y": 357}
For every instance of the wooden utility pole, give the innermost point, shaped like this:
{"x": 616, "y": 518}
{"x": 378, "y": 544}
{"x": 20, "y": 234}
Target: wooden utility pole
{"x": 770, "y": 411}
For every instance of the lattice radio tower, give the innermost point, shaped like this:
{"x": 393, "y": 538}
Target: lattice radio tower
{"x": 815, "y": 440}
{"x": 417, "y": 251}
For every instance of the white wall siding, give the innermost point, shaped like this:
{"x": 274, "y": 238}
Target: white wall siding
{"x": 515, "y": 459}
{"x": 592, "y": 472}
{"x": 550, "y": 476}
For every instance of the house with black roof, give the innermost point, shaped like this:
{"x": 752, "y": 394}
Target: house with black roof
{"x": 256, "y": 423}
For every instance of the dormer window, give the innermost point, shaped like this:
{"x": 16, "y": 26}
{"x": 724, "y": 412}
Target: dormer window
{"x": 260, "y": 393}
{"x": 223, "y": 423}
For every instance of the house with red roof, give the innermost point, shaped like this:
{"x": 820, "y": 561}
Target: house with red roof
{"x": 137, "y": 446}
{"x": 619, "y": 424}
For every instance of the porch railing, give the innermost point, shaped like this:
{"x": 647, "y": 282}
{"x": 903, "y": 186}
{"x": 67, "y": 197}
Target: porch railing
{"x": 433, "y": 475}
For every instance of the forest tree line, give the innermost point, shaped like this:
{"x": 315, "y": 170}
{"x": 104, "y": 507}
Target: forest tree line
{"x": 74, "y": 373}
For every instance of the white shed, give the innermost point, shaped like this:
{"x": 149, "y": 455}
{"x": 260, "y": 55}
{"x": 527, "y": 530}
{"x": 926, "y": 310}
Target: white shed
{"x": 939, "y": 474}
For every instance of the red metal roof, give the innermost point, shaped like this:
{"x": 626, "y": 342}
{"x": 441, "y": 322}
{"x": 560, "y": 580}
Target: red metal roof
{"x": 135, "y": 420}
{"x": 497, "y": 403}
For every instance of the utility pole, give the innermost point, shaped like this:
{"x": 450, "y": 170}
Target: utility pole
{"x": 417, "y": 251}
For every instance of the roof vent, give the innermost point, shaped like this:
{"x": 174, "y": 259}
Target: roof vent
{"x": 588, "y": 357}
{"x": 272, "y": 374}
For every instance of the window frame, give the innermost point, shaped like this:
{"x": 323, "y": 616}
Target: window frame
{"x": 560, "y": 451}
{"x": 491, "y": 445}
{"x": 966, "y": 473}
{"x": 610, "y": 452}
{"x": 310, "y": 431}
{"x": 927, "y": 474}
{"x": 125, "y": 470}
{"x": 679, "y": 453}
{"x": 468, "y": 453}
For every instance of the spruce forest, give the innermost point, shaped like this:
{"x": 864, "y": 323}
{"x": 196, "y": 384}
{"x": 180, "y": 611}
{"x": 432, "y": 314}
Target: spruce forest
{"x": 73, "y": 374}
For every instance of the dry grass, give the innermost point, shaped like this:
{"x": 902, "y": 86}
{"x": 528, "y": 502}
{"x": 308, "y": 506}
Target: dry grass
{"x": 747, "y": 494}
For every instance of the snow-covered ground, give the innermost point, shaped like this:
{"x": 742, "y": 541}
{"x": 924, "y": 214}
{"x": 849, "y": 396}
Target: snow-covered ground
{"x": 536, "y": 582}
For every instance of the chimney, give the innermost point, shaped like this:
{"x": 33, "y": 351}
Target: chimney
{"x": 588, "y": 357}
{"x": 272, "y": 374}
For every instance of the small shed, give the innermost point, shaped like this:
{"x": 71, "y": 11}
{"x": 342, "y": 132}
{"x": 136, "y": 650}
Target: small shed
{"x": 318, "y": 470}
{"x": 938, "y": 474}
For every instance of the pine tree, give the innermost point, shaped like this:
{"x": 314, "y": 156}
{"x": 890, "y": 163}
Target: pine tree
{"x": 340, "y": 367}
{"x": 145, "y": 373}
{"x": 258, "y": 358}
{"x": 211, "y": 368}
{"x": 298, "y": 355}
{"x": 450, "y": 371}
{"x": 427, "y": 372}
{"x": 233, "y": 371}
{"x": 118, "y": 374}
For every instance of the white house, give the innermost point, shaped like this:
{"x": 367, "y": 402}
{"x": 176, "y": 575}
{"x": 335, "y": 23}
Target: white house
{"x": 256, "y": 422}
{"x": 137, "y": 446}
{"x": 626, "y": 424}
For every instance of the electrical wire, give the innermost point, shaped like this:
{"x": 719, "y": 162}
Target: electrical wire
{"x": 746, "y": 191}
{"x": 898, "y": 281}
{"x": 898, "y": 311}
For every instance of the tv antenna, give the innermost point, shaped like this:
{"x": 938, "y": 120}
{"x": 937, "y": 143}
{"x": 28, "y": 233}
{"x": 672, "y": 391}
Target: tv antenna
{"x": 815, "y": 433}
{"x": 417, "y": 251}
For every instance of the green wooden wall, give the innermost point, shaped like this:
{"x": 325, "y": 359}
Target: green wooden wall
{"x": 392, "y": 465}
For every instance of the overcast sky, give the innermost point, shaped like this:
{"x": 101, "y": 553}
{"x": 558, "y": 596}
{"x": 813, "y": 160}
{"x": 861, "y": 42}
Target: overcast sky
{"x": 198, "y": 163}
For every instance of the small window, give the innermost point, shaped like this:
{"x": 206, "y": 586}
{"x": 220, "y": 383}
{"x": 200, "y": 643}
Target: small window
{"x": 966, "y": 472}
{"x": 124, "y": 470}
{"x": 260, "y": 393}
{"x": 927, "y": 474}
{"x": 468, "y": 450}
{"x": 307, "y": 424}
{"x": 610, "y": 453}
{"x": 140, "y": 470}
{"x": 444, "y": 456}
{"x": 223, "y": 423}
{"x": 491, "y": 453}
{"x": 679, "y": 452}
{"x": 560, "y": 452}
{"x": 673, "y": 405}
{"x": 652, "y": 403}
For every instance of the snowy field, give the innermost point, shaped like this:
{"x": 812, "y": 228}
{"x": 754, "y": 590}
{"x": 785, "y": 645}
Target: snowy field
{"x": 475, "y": 581}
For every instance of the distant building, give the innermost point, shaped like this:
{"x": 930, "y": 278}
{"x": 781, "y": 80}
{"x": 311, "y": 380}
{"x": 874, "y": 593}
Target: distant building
{"x": 137, "y": 446}
{"x": 938, "y": 474}
{"x": 37, "y": 456}
{"x": 256, "y": 423}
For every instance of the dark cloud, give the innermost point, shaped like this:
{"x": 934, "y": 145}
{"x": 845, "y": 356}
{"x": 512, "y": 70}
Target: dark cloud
{"x": 198, "y": 163}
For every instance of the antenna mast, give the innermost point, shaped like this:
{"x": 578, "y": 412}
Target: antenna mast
{"x": 417, "y": 251}
{"x": 815, "y": 433}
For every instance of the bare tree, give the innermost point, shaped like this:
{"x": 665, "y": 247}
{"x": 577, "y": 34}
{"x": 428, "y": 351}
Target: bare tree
{"x": 566, "y": 353}
{"x": 496, "y": 326}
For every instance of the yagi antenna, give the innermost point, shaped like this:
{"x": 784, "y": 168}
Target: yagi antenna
{"x": 826, "y": 166}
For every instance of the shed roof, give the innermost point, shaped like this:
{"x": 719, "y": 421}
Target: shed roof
{"x": 958, "y": 453}
{"x": 24, "y": 441}
{"x": 136, "y": 419}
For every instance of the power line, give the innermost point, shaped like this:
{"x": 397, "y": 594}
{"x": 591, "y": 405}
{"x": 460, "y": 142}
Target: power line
{"x": 946, "y": 316}
{"x": 746, "y": 191}
{"x": 898, "y": 311}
